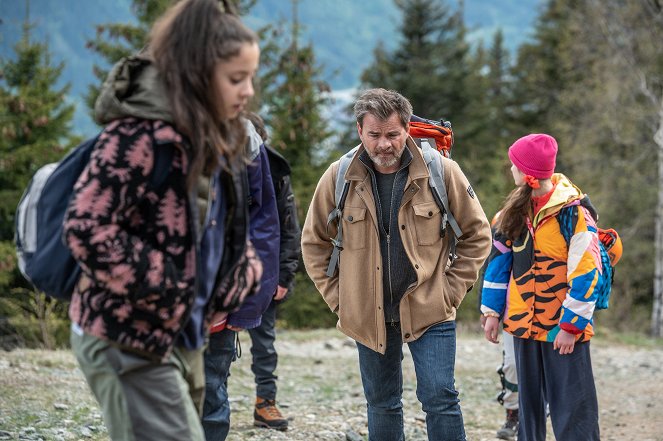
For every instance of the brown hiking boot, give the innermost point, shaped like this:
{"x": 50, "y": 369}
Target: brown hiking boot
{"x": 266, "y": 414}
{"x": 510, "y": 428}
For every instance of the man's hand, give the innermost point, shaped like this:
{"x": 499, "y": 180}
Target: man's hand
{"x": 280, "y": 293}
{"x": 491, "y": 329}
{"x": 565, "y": 342}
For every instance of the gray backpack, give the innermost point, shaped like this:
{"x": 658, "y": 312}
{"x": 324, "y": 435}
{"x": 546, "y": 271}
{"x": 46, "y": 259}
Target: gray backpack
{"x": 433, "y": 161}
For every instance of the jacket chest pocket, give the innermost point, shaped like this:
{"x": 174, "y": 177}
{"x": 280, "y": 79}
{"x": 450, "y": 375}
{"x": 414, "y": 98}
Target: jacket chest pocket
{"x": 427, "y": 220}
{"x": 355, "y": 228}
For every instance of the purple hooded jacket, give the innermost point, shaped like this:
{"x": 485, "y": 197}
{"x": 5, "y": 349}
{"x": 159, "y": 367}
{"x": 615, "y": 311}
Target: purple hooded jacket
{"x": 264, "y": 231}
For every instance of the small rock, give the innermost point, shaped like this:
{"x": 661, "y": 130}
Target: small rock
{"x": 60, "y": 406}
{"x": 351, "y": 435}
{"x": 328, "y": 435}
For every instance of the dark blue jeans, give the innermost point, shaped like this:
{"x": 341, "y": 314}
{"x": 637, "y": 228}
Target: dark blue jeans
{"x": 434, "y": 356}
{"x": 219, "y": 355}
{"x": 264, "y": 354}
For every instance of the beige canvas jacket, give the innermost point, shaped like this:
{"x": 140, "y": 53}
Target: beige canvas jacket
{"x": 355, "y": 293}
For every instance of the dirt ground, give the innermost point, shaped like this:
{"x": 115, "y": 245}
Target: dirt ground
{"x": 44, "y": 396}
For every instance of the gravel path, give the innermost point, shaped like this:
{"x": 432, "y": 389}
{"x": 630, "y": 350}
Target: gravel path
{"x": 43, "y": 395}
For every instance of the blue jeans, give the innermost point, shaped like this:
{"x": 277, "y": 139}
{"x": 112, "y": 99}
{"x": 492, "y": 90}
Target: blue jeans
{"x": 264, "y": 354}
{"x": 216, "y": 410}
{"x": 434, "y": 356}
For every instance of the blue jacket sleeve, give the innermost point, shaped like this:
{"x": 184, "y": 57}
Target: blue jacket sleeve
{"x": 265, "y": 236}
{"x": 583, "y": 266}
{"x": 497, "y": 276}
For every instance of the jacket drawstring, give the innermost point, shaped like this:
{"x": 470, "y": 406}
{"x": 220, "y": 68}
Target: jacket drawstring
{"x": 238, "y": 348}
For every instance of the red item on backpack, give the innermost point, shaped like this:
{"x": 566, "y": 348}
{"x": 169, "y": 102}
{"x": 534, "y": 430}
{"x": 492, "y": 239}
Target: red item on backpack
{"x": 440, "y": 131}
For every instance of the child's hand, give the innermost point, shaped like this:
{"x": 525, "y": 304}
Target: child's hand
{"x": 491, "y": 329}
{"x": 564, "y": 342}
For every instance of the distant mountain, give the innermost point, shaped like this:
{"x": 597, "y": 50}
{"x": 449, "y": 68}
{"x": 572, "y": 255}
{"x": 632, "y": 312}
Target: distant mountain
{"x": 343, "y": 32}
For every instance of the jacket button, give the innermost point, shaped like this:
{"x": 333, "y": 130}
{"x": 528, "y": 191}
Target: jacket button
{"x": 402, "y": 227}
{"x": 213, "y": 222}
{"x": 430, "y": 213}
{"x": 407, "y": 335}
{"x": 350, "y": 218}
{"x": 416, "y": 266}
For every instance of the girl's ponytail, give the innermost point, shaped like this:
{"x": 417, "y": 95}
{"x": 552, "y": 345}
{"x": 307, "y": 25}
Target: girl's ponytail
{"x": 515, "y": 209}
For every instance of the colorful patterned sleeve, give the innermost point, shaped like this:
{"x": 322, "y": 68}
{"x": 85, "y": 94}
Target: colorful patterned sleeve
{"x": 583, "y": 273}
{"x": 497, "y": 275}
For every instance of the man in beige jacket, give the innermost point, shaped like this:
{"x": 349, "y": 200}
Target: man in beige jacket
{"x": 393, "y": 283}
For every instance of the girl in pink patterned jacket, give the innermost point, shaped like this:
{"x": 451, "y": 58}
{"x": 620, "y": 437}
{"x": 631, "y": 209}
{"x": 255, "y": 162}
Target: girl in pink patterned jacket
{"x": 156, "y": 268}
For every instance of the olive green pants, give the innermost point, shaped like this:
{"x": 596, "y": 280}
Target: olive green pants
{"x": 140, "y": 399}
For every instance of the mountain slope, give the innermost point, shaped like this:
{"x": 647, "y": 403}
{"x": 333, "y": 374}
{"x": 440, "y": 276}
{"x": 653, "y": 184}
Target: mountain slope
{"x": 343, "y": 32}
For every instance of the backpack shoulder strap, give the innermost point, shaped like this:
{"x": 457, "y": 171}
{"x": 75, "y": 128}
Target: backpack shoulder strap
{"x": 253, "y": 140}
{"x": 341, "y": 187}
{"x": 163, "y": 159}
{"x": 436, "y": 183}
{"x": 567, "y": 218}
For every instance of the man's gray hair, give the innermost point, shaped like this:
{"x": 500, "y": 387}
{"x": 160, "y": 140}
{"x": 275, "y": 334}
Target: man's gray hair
{"x": 382, "y": 103}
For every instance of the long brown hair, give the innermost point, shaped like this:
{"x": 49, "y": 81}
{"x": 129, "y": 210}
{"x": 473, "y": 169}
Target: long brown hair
{"x": 186, "y": 43}
{"x": 516, "y": 207}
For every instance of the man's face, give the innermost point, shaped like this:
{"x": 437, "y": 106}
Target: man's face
{"x": 384, "y": 141}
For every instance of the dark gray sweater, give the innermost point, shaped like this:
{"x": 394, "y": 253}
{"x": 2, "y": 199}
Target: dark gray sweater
{"x": 398, "y": 272}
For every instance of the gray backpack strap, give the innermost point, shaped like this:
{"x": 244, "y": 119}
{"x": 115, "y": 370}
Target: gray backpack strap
{"x": 253, "y": 142}
{"x": 439, "y": 190}
{"x": 341, "y": 188}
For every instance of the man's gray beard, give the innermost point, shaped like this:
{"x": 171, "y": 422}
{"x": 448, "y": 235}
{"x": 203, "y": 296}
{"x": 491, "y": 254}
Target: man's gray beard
{"x": 380, "y": 163}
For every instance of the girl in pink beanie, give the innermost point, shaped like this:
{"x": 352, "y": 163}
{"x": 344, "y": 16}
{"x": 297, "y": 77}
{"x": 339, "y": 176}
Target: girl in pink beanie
{"x": 544, "y": 290}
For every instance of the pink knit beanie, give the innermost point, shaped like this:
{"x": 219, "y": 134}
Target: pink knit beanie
{"x": 534, "y": 155}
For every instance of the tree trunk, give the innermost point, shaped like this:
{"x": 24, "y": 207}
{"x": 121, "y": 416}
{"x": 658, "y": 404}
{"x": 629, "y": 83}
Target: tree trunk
{"x": 657, "y": 307}
{"x": 43, "y": 312}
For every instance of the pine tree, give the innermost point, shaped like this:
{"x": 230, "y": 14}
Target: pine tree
{"x": 294, "y": 96}
{"x": 430, "y": 65}
{"x": 544, "y": 68}
{"x": 35, "y": 129}
{"x": 435, "y": 68}
{"x": 116, "y": 40}
{"x": 34, "y": 123}
{"x": 489, "y": 129}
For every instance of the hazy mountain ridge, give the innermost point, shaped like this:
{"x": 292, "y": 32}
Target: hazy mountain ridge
{"x": 343, "y": 32}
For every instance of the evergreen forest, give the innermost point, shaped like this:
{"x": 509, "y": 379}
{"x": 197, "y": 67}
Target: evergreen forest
{"x": 590, "y": 74}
